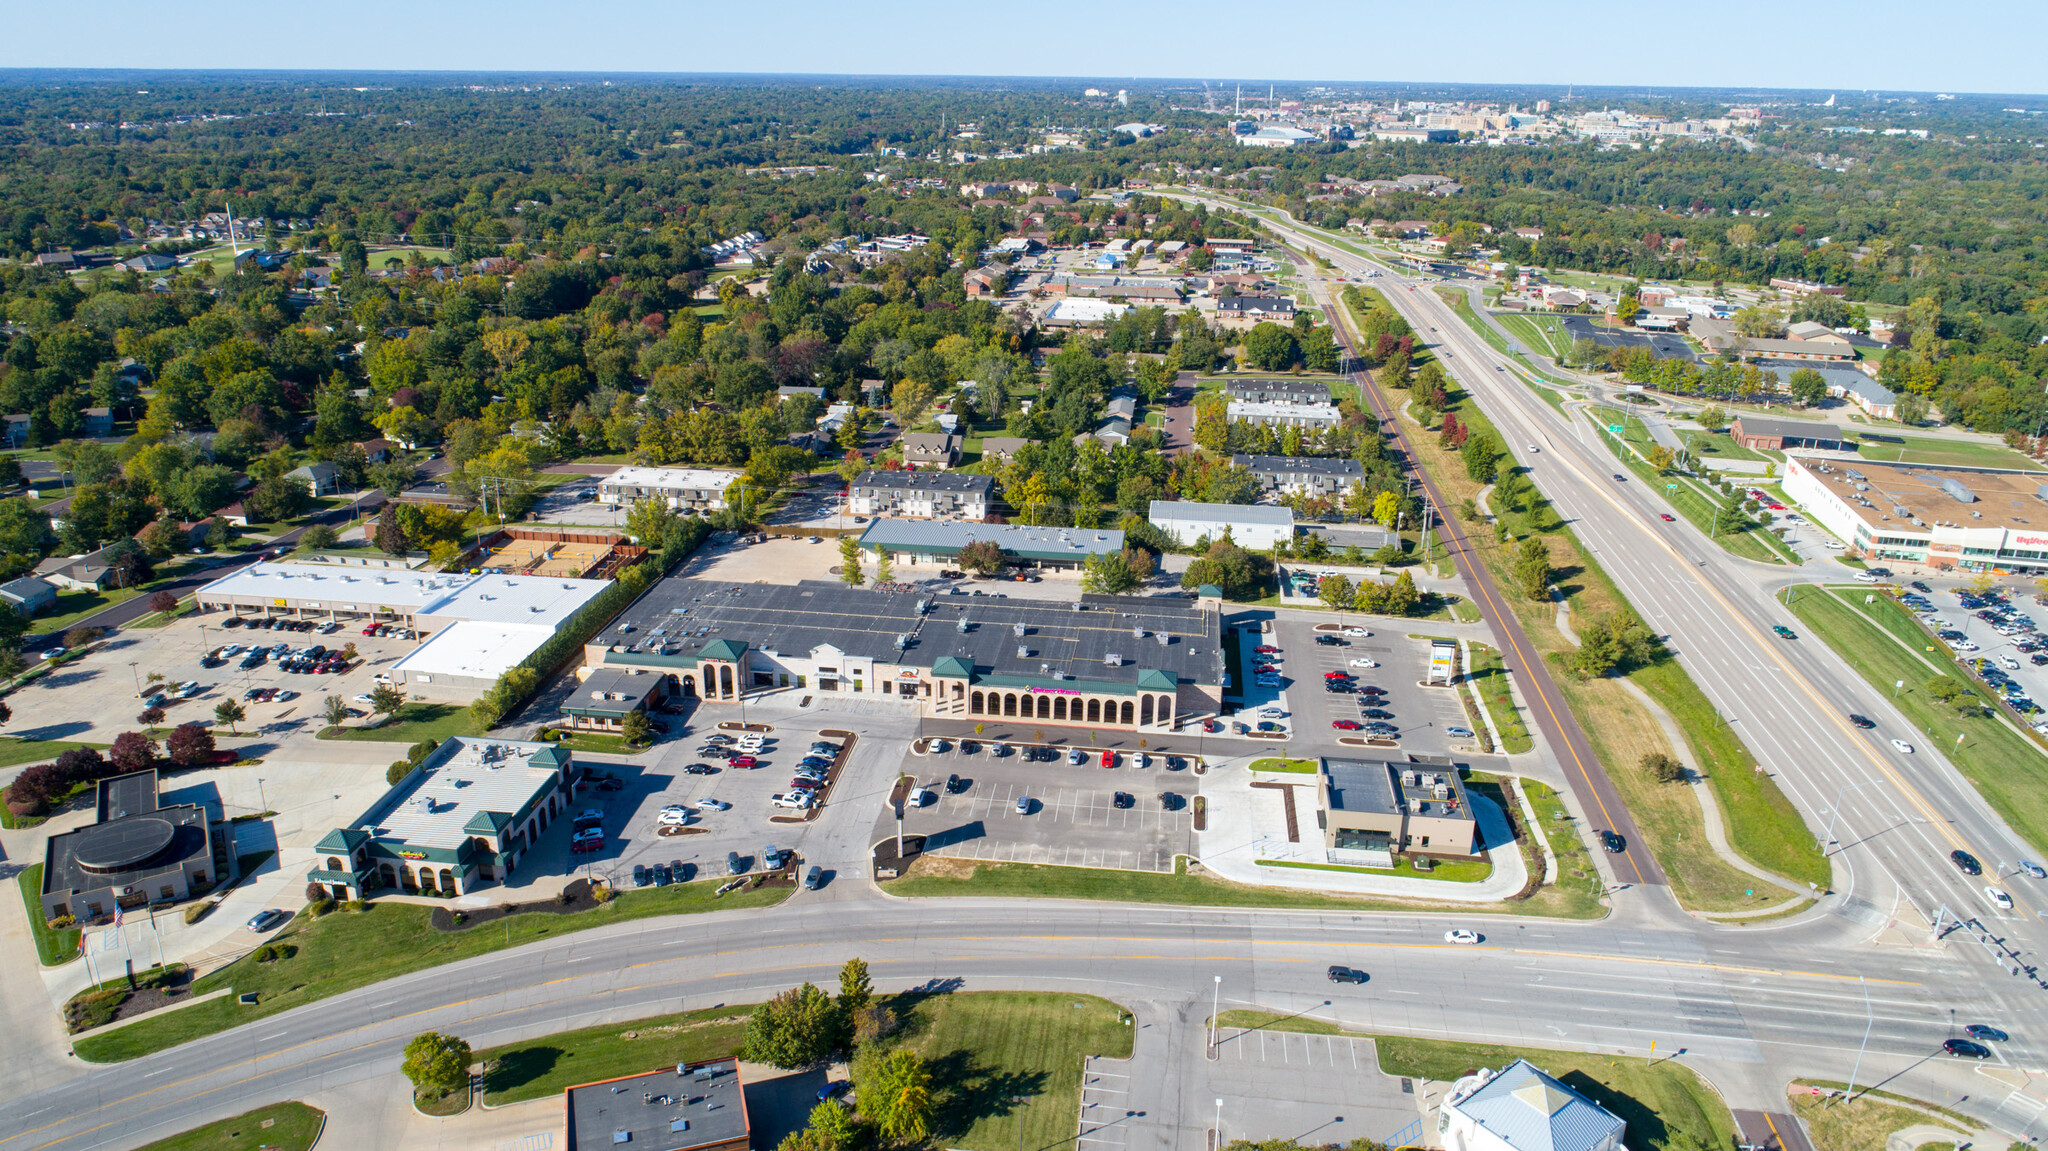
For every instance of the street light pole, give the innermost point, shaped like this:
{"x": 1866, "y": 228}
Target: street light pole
{"x": 1215, "y": 1000}
{"x": 1836, "y": 810}
{"x": 1219, "y": 1125}
{"x": 1869, "y": 1020}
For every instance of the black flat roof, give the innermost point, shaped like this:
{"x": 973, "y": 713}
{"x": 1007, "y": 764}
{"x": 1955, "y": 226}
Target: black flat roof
{"x": 126, "y": 852}
{"x": 663, "y": 1110}
{"x": 680, "y": 618}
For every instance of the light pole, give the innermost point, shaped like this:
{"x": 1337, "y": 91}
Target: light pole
{"x": 1215, "y": 1000}
{"x": 1019, "y": 1101}
{"x": 1219, "y": 1125}
{"x": 262, "y": 804}
{"x": 137, "y": 677}
{"x": 1869, "y": 1020}
{"x": 1836, "y": 810}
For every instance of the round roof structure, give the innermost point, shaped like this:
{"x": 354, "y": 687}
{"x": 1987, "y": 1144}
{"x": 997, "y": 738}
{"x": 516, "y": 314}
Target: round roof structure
{"x": 123, "y": 844}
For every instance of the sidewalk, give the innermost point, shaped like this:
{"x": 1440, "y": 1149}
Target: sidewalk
{"x": 1247, "y": 824}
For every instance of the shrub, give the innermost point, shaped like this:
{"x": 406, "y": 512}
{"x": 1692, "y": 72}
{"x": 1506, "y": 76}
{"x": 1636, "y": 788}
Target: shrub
{"x": 189, "y": 744}
{"x": 398, "y": 770}
{"x": 196, "y": 912}
{"x": 315, "y": 892}
{"x": 602, "y": 894}
{"x": 320, "y": 907}
{"x": 268, "y": 953}
{"x": 1663, "y": 768}
{"x": 62, "y": 923}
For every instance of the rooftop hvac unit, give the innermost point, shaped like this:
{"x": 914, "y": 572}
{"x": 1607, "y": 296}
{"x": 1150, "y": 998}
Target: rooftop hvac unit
{"x": 960, "y": 625}
{"x": 1078, "y": 607}
{"x": 1137, "y": 633}
{"x": 923, "y": 606}
{"x": 1023, "y": 651}
{"x": 1017, "y": 629}
{"x": 1113, "y": 659}
{"x": 597, "y": 695}
{"x": 1442, "y": 791}
{"x": 1415, "y": 806}
{"x": 902, "y": 642}
{"x": 1163, "y": 639}
{"x": 1045, "y": 669}
{"x": 1962, "y": 494}
{"x": 1408, "y": 779}
{"x": 424, "y": 803}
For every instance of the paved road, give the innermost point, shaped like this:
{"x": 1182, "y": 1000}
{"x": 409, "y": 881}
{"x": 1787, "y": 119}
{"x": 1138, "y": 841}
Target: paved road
{"x": 1553, "y": 716}
{"x": 1180, "y": 416}
{"x": 1738, "y": 1004}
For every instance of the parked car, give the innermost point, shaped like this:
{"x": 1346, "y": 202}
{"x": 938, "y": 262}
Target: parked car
{"x": 1023, "y": 805}
{"x": 1458, "y": 732}
{"x": 268, "y": 919}
{"x": 794, "y": 799}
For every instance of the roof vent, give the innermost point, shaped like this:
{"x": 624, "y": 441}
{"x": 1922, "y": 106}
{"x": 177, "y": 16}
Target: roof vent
{"x": 1017, "y": 629}
{"x": 1023, "y": 651}
{"x": 902, "y": 642}
{"x": 597, "y": 695}
{"x": 1164, "y": 639}
{"x": 1113, "y": 659}
{"x": 960, "y": 625}
{"x": 1137, "y": 633}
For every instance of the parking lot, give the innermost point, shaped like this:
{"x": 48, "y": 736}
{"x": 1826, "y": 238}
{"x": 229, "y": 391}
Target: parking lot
{"x": 2011, "y": 661}
{"x": 101, "y": 694}
{"x": 1071, "y": 817}
{"x": 1420, "y": 715}
{"x": 698, "y": 846}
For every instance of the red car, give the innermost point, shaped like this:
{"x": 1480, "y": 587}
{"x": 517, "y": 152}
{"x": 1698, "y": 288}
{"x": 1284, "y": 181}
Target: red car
{"x": 1346, "y": 724}
{"x": 742, "y": 761}
{"x": 1336, "y": 675}
{"x": 1266, "y": 649}
{"x": 1109, "y": 759}
{"x": 1211, "y": 726}
{"x": 371, "y": 630}
{"x": 1666, "y": 517}
{"x": 1267, "y": 669}
{"x": 805, "y": 783}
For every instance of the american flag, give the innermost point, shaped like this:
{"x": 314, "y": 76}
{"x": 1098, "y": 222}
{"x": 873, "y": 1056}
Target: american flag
{"x": 117, "y": 915}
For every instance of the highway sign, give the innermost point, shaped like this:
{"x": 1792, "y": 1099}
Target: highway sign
{"x": 1615, "y": 429}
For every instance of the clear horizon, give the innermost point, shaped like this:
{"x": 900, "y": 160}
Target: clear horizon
{"x": 1987, "y": 48}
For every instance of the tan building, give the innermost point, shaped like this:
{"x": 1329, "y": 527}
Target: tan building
{"x": 1375, "y": 809}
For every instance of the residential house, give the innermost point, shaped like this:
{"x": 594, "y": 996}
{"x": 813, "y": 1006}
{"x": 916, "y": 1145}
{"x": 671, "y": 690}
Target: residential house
{"x": 787, "y": 390}
{"x": 17, "y": 431}
{"x": 322, "y": 479}
{"x": 1302, "y": 475}
{"x": 684, "y": 489}
{"x": 62, "y": 261}
{"x": 28, "y": 595}
{"x": 921, "y": 495}
{"x": 992, "y": 280}
{"x": 149, "y": 263}
{"x": 1002, "y": 448}
{"x": 939, "y": 450}
{"x": 99, "y": 421}
{"x": 1225, "y": 246}
{"x": 1284, "y": 415}
{"x": 1805, "y": 287}
{"x": 92, "y": 571}
{"x": 377, "y": 451}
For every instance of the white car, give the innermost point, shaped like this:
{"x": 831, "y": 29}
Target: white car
{"x": 1074, "y": 757}
{"x": 1361, "y": 661}
{"x": 1864, "y": 577}
{"x": 1356, "y": 632}
{"x": 710, "y": 804}
{"x": 919, "y": 796}
{"x": 1999, "y": 899}
{"x": 1902, "y": 747}
{"x": 232, "y": 649}
{"x": 796, "y": 799}
{"x": 1461, "y": 935}
{"x": 674, "y": 817}
{"x": 938, "y": 745}
{"x": 1532, "y": 449}
{"x": 1141, "y": 760}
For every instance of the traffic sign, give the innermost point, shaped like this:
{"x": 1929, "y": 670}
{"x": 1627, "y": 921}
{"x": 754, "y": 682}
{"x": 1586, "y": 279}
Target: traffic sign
{"x": 1616, "y": 429}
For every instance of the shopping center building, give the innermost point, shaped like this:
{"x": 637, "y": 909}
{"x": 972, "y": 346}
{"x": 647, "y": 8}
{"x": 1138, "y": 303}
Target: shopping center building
{"x": 1136, "y": 663}
{"x": 1966, "y": 519}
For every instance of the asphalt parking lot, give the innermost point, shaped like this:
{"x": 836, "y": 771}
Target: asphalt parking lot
{"x": 1420, "y": 713}
{"x": 633, "y": 832}
{"x": 1072, "y": 819}
{"x": 99, "y": 693}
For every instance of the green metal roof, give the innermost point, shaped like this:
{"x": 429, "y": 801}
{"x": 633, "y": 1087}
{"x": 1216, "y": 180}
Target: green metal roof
{"x": 1152, "y": 679}
{"x": 342, "y": 841}
{"x": 488, "y": 823}
{"x": 953, "y": 666}
{"x": 728, "y": 649}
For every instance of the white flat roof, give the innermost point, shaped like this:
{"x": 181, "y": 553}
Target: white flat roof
{"x": 693, "y": 479}
{"x": 1187, "y": 511}
{"x": 462, "y": 781}
{"x": 476, "y": 650}
{"x": 537, "y": 601}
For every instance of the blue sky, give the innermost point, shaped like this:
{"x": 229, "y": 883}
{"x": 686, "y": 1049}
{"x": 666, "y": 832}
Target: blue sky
{"x": 1969, "y": 46}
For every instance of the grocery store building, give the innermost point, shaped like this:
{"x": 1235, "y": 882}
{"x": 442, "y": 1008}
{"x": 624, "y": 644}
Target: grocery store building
{"x": 1964, "y": 519}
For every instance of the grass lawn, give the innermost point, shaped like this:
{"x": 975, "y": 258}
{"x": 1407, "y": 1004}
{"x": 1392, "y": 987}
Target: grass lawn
{"x": 351, "y": 949}
{"x": 411, "y": 724}
{"x": 1712, "y": 446}
{"x": 52, "y": 947}
{"x": 937, "y": 877}
{"x": 986, "y": 1048}
{"x": 1446, "y": 870}
{"x": 13, "y": 751}
{"x": 1302, "y": 766}
{"x": 74, "y": 604}
{"x": 539, "y": 1068}
{"x": 279, "y": 1127}
{"x": 2006, "y": 767}
{"x": 597, "y": 742}
{"x": 1577, "y": 878}
{"x": 1547, "y": 336}
{"x": 1857, "y": 1125}
{"x": 1491, "y": 678}
{"x": 1891, "y": 447}
{"x": 1661, "y": 1101}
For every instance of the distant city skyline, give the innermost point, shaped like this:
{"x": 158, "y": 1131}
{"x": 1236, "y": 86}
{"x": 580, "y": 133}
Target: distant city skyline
{"x": 1889, "y": 45}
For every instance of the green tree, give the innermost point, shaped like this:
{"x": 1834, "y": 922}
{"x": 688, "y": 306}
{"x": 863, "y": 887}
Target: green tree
{"x": 1532, "y": 569}
{"x": 1335, "y": 591}
{"x": 1712, "y": 417}
{"x": 635, "y": 729}
{"x": 386, "y": 699}
{"x": 1386, "y": 508}
{"x": 982, "y": 557}
{"x": 885, "y": 569}
{"x": 437, "y": 1064}
{"x": 1611, "y": 643}
{"x": 794, "y": 1029}
{"x": 1912, "y": 409}
{"x": 335, "y": 710}
{"x": 849, "y": 561}
{"x": 649, "y": 521}
{"x": 894, "y": 1089}
{"x": 1114, "y": 573}
{"x": 229, "y": 712}
{"x": 1270, "y": 347}
{"x": 1662, "y": 768}
{"x": 1807, "y": 386}
{"x": 856, "y": 990}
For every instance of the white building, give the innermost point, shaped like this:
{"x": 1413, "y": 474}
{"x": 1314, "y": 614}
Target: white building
{"x": 1283, "y": 414}
{"x": 921, "y": 495}
{"x": 1521, "y": 1108}
{"x": 696, "y": 489}
{"x": 1252, "y": 526}
{"x": 1084, "y": 310}
{"x": 1972, "y": 519}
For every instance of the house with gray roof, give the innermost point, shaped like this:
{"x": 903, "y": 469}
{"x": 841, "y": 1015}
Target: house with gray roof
{"x": 29, "y": 594}
{"x": 938, "y": 542}
{"x": 1279, "y": 391}
{"x": 1302, "y": 475}
{"x": 1253, "y": 526}
{"x": 924, "y": 495}
{"x": 931, "y": 449}
{"x": 1523, "y": 1108}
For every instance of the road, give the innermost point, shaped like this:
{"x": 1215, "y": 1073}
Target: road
{"x": 1737, "y": 1005}
{"x": 1896, "y": 816}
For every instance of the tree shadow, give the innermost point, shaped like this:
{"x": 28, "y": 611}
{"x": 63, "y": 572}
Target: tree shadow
{"x": 521, "y": 1067}
{"x": 975, "y": 1093}
{"x": 52, "y": 731}
{"x": 1646, "y": 1128}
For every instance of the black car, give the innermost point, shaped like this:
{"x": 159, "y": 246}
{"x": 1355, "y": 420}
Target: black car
{"x": 1169, "y": 801}
{"x": 1173, "y": 763}
{"x": 1346, "y": 975}
{"x": 955, "y": 785}
{"x": 1376, "y": 713}
{"x": 1329, "y": 641}
{"x": 1614, "y": 844}
{"x": 1965, "y": 1049}
{"x": 1122, "y": 799}
{"x": 641, "y": 878}
{"x": 662, "y": 875}
{"x": 1860, "y": 721}
{"x": 1338, "y": 687}
{"x": 1920, "y": 587}
{"x": 1966, "y": 863}
{"x": 252, "y": 660}
{"x": 732, "y": 863}
{"x": 1985, "y": 1031}
{"x": 700, "y": 769}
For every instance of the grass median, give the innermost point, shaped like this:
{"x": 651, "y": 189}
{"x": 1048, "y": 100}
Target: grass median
{"x": 279, "y": 1127}
{"x": 1490, "y": 676}
{"x": 411, "y": 724}
{"x": 544, "y": 1067}
{"x": 1297, "y": 766}
{"x": 1664, "y": 1103}
{"x": 350, "y": 949}
{"x": 1886, "y": 645}
{"x": 1862, "y": 1123}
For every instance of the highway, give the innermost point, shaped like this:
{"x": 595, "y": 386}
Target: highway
{"x": 1741, "y": 1008}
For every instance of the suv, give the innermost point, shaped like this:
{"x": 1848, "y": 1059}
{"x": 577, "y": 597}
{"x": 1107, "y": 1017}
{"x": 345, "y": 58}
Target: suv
{"x": 1346, "y": 975}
